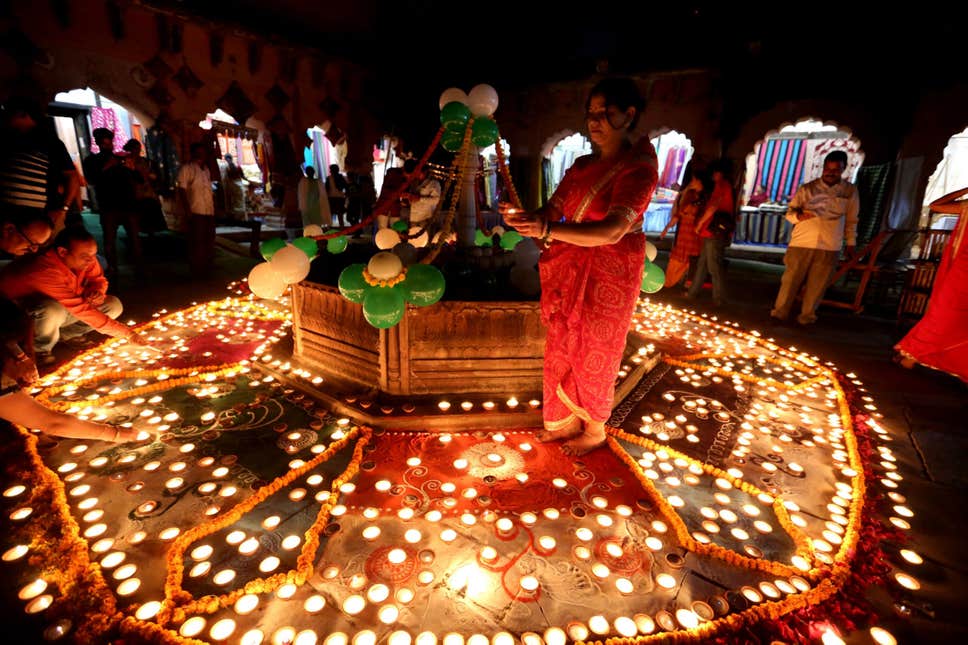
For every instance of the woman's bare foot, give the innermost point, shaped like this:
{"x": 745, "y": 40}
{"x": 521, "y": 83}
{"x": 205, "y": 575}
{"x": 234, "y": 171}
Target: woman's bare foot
{"x": 593, "y": 437}
{"x": 569, "y": 431}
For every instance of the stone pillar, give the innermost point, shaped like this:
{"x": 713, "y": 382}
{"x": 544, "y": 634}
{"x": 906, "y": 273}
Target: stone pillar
{"x": 466, "y": 224}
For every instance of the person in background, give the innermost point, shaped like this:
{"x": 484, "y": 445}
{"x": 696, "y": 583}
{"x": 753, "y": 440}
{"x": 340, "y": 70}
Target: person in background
{"x": 313, "y": 202}
{"x": 65, "y": 292}
{"x": 37, "y": 174}
{"x": 940, "y": 339}
{"x": 151, "y": 218}
{"x": 424, "y": 195}
{"x": 690, "y": 202}
{"x": 715, "y": 228}
{"x": 18, "y": 370}
{"x": 759, "y": 196}
{"x": 591, "y": 270}
{"x": 388, "y": 206}
{"x": 823, "y": 213}
{"x": 198, "y": 203}
{"x": 336, "y": 192}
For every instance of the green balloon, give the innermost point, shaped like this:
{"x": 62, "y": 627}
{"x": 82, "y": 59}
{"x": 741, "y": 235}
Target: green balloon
{"x": 483, "y": 132}
{"x": 424, "y": 284}
{"x": 269, "y": 247}
{"x": 455, "y": 115}
{"x": 653, "y": 277}
{"x": 307, "y": 245}
{"x": 352, "y": 284}
{"x": 510, "y": 240}
{"x": 337, "y": 245}
{"x": 383, "y": 307}
{"x": 482, "y": 240}
{"x": 400, "y": 226}
{"x": 452, "y": 140}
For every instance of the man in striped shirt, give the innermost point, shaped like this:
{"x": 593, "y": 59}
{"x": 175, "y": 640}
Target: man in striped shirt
{"x": 36, "y": 172}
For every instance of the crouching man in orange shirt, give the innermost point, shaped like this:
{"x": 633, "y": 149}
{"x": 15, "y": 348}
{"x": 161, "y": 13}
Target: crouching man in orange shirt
{"x": 65, "y": 293}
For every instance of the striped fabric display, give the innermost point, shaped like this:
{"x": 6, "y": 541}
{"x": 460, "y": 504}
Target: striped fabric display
{"x": 23, "y": 179}
{"x": 779, "y": 166}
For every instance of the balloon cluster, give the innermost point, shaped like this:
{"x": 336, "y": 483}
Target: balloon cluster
{"x": 507, "y": 239}
{"x": 384, "y": 287}
{"x": 334, "y": 245}
{"x": 458, "y": 110}
{"x": 653, "y": 277}
{"x": 285, "y": 264}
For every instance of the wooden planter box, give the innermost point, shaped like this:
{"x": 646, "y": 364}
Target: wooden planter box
{"x": 449, "y": 347}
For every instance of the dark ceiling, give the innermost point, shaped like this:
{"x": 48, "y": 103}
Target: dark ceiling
{"x": 764, "y": 52}
{"x": 527, "y": 41}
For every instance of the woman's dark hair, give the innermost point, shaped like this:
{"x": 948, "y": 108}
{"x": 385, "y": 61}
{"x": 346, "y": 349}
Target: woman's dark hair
{"x": 723, "y": 166}
{"x": 623, "y": 93}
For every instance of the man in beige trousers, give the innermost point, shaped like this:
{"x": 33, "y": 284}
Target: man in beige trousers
{"x": 822, "y": 212}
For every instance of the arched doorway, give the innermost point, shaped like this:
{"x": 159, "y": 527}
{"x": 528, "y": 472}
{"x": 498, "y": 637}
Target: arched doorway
{"x": 950, "y": 174}
{"x": 783, "y": 159}
{"x": 673, "y": 150}
{"x": 558, "y": 157}
{"x": 240, "y": 161}
{"x": 78, "y": 112}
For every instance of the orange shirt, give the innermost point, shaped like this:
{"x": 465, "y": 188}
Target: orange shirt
{"x": 46, "y": 274}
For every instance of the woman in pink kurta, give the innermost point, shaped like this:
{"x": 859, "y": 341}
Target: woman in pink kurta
{"x": 591, "y": 266}
{"x": 940, "y": 339}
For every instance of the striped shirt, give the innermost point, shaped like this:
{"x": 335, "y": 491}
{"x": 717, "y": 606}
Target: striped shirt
{"x": 30, "y": 171}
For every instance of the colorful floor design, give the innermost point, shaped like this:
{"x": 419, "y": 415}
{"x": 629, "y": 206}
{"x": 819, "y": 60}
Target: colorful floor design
{"x": 735, "y": 502}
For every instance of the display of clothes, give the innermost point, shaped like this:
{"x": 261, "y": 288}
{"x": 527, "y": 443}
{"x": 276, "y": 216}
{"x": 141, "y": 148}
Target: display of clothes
{"x": 161, "y": 149}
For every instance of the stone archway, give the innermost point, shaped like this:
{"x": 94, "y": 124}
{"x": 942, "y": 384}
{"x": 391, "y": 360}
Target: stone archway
{"x": 558, "y": 153}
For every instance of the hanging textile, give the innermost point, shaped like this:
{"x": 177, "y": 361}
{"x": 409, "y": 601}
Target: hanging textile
{"x": 160, "y": 149}
{"x": 904, "y": 211}
{"x": 107, "y": 118}
{"x": 672, "y": 166}
{"x": 872, "y": 182}
{"x": 779, "y": 167}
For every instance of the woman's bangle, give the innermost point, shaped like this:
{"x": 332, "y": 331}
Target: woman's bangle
{"x": 546, "y": 234}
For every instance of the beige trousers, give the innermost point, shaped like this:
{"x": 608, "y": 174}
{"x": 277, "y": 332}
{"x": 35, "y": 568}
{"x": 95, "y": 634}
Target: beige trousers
{"x": 813, "y": 265}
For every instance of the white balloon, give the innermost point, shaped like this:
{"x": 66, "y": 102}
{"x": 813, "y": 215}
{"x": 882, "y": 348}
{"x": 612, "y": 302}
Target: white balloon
{"x": 312, "y": 230}
{"x": 526, "y": 253}
{"x": 421, "y": 240}
{"x": 651, "y": 251}
{"x": 526, "y": 280}
{"x": 291, "y": 263}
{"x": 384, "y": 265}
{"x": 482, "y": 100}
{"x": 386, "y": 238}
{"x": 266, "y": 282}
{"x": 452, "y": 94}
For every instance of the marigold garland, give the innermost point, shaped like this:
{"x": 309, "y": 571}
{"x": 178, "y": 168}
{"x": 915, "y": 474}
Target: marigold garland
{"x": 373, "y": 281}
{"x": 679, "y": 526}
{"x": 684, "y": 362}
{"x": 177, "y": 599}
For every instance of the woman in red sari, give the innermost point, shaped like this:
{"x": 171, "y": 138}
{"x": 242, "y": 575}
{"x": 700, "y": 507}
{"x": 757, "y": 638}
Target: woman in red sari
{"x": 591, "y": 266}
{"x": 940, "y": 339}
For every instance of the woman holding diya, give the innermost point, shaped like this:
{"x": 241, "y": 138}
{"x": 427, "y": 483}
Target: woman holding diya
{"x": 591, "y": 266}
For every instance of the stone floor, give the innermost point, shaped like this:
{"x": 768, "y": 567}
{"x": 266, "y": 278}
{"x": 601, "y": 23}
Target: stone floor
{"x": 926, "y": 411}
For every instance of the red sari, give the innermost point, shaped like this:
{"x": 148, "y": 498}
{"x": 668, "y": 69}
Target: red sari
{"x": 940, "y": 339}
{"x": 588, "y": 294}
